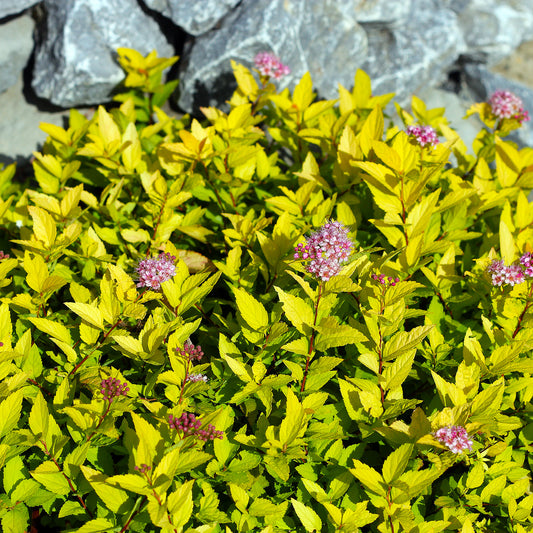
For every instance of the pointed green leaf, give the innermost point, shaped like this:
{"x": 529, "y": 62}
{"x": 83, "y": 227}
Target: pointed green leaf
{"x": 396, "y": 463}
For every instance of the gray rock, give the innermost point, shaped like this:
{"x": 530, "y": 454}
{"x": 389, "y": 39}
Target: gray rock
{"x": 16, "y": 44}
{"x": 307, "y": 35}
{"x": 12, "y": 7}
{"x": 406, "y": 59}
{"x": 193, "y": 16}
{"x": 379, "y": 12}
{"x": 75, "y": 59}
{"x": 494, "y": 28}
{"x": 19, "y": 125}
{"x": 482, "y": 83}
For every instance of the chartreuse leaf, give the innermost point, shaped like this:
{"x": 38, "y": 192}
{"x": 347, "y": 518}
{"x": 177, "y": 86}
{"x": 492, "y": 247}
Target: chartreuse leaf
{"x": 51, "y": 478}
{"x": 44, "y": 227}
{"x": 98, "y": 525}
{"x": 150, "y": 440}
{"x": 39, "y": 417}
{"x": 114, "y": 497}
{"x": 369, "y": 477}
{"x": 88, "y": 312}
{"x": 180, "y": 504}
{"x": 507, "y": 243}
{"x": 309, "y": 519}
{"x": 10, "y": 412}
{"x": 16, "y": 519}
{"x": 252, "y": 311}
{"x": 396, "y": 463}
{"x": 297, "y": 311}
{"x": 294, "y": 419}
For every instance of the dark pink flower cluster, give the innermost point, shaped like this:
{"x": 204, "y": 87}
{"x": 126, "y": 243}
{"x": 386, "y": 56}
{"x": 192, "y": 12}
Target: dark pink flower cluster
{"x": 143, "y": 468}
{"x": 152, "y": 272}
{"x": 423, "y": 134}
{"x": 505, "y": 104}
{"x": 188, "y": 424}
{"x": 326, "y": 250}
{"x": 190, "y": 352}
{"x": 112, "y": 388}
{"x": 512, "y": 274}
{"x": 455, "y": 438}
{"x": 210, "y": 433}
{"x": 388, "y": 282}
{"x": 3, "y": 255}
{"x": 270, "y": 66}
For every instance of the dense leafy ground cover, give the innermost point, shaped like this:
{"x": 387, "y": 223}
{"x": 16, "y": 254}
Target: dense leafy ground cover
{"x": 290, "y": 316}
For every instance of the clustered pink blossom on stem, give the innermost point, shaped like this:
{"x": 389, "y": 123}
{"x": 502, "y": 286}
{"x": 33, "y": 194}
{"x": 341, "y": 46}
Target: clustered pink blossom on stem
{"x": 326, "y": 250}
{"x": 190, "y": 352}
{"x": 188, "y": 425}
{"x": 424, "y": 135}
{"x": 270, "y": 66}
{"x": 388, "y": 282}
{"x": 505, "y": 104}
{"x": 112, "y": 388}
{"x": 3, "y": 255}
{"x": 154, "y": 271}
{"x": 193, "y": 378}
{"x": 511, "y": 274}
{"x": 455, "y": 438}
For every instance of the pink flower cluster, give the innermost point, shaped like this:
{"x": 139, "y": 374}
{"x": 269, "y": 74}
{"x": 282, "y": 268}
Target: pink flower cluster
{"x": 423, "y": 135}
{"x": 143, "y": 468}
{"x": 511, "y": 274}
{"x": 388, "y": 282}
{"x": 193, "y": 378}
{"x": 326, "y": 250}
{"x": 455, "y": 438}
{"x": 190, "y": 352}
{"x": 270, "y": 66}
{"x": 3, "y": 255}
{"x": 188, "y": 424}
{"x": 154, "y": 271}
{"x": 112, "y": 388}
{"x": 505, "y": 104}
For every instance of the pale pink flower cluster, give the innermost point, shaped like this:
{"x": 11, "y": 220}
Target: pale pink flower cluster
{"x": 193, "y": 378}
{"x": 152, "y": 272}
{"x": 505, "y": 104}
{"x": 527, "y": 263}
{"x": 511, "y": 274}
{"x": 326, "y": 250}
{"x": 455, "y": 438}
{"x": 423, "y": 134}
{"x": 269, "y": 65}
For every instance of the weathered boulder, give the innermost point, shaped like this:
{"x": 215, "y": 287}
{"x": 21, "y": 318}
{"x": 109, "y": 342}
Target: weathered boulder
{"x": 494, "y": 28}
{"x": 331, "y": 40}
{"x": 16, "y": 44}
{"x": 417, "y": 54}
{"x": 193, "y": 16}
{"x": 308, "y": 35}
{"x": 13, "y": 7}
{"x": 75, "y": 57}
{"x": 379, "y": 12}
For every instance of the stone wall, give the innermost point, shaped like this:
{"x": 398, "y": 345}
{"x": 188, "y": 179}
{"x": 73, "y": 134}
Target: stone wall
{"x": 66, "y": 48}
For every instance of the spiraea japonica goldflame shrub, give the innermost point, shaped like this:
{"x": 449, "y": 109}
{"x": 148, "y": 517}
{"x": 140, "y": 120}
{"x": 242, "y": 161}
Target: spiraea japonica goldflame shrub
{"x": 295, "y": 316}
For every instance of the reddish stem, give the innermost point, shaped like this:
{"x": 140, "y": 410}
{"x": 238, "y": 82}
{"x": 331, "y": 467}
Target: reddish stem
{"x": 312, "y": 341}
